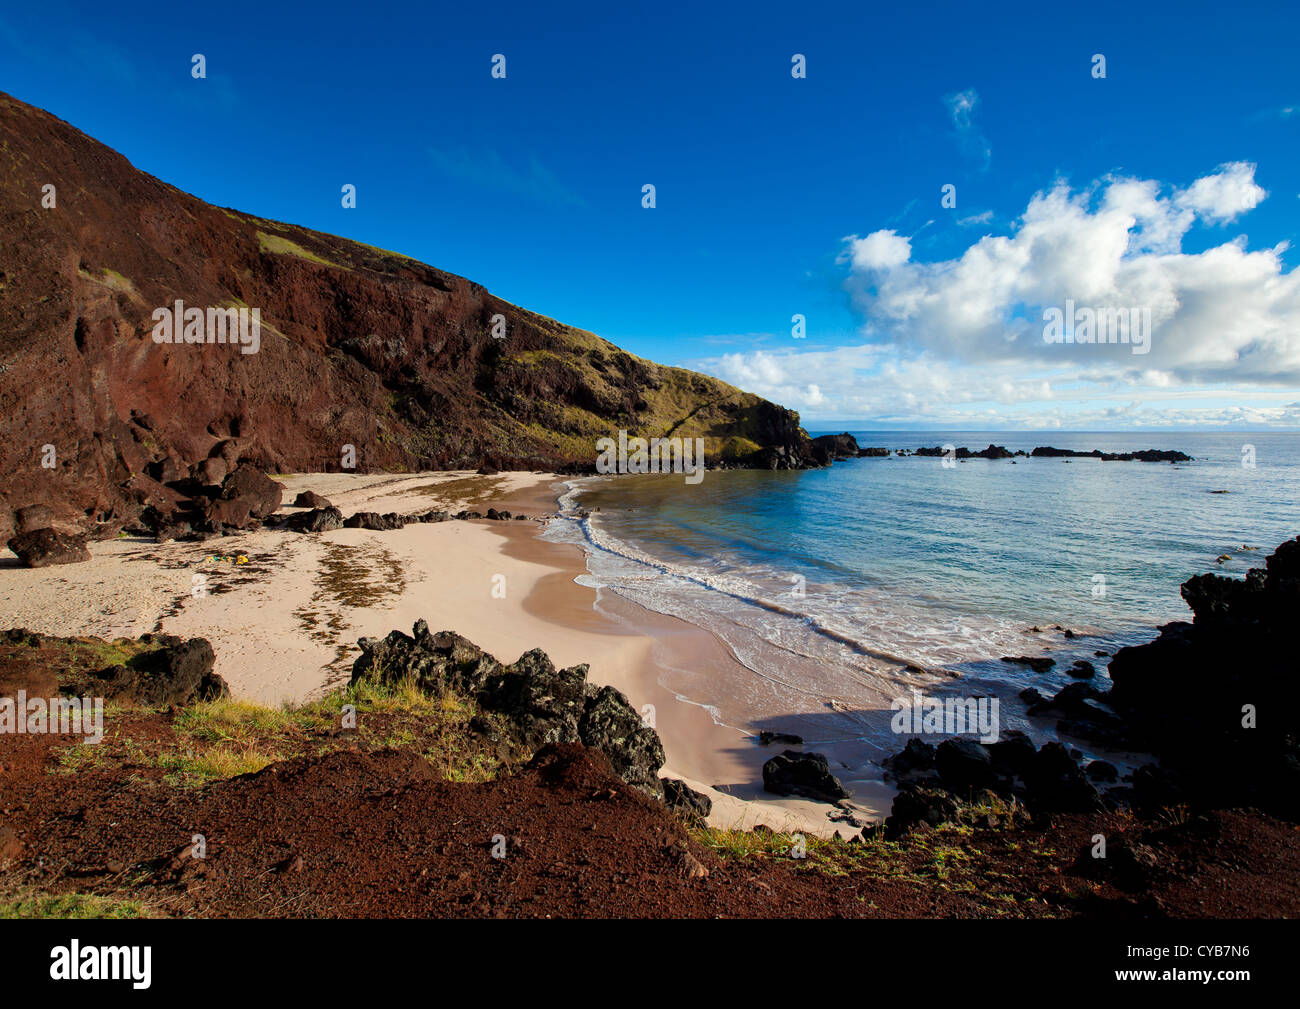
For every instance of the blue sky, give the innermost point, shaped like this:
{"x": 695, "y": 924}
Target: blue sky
{"x": 775, "y": 196}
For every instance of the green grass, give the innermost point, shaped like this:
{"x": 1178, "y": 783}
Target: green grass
{"x": 112, "y": 280}
{"x": 72, "y": 906}
{"x": 828, "y": 856}
{"x": 81, "y": 757}
{"x": 232, "y": 721}
{"x": 389, "y": 253}
{"x": 224, "y": 760}
{"x": 226, "y": 738}
{"x": 402, "y": 697}
{"x": 92, "y": 655}
{"x": 941, "y": 859}
{"x": 280, "y": 246}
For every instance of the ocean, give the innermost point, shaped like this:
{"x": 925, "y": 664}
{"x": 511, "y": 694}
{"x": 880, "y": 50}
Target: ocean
{"x": 840, "y": 590}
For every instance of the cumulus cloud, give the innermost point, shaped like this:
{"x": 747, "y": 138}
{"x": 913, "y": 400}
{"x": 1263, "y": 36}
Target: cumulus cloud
{"x": 961, "y": 340}
{"x": 880, "y": 250}
{"x": 868, "y": 381}
{"x": 1224, "y": 196}
{"x": 1224, "y": 314}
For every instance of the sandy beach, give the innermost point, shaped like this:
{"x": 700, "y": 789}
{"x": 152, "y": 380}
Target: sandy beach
{"x": 284, "y": 611}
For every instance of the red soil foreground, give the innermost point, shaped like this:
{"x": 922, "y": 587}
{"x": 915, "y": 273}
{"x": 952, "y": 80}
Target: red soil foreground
{"x": 377, "y": 834}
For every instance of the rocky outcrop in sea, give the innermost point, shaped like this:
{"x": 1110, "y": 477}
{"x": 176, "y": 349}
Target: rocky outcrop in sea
{"x": 1215, "y": 702}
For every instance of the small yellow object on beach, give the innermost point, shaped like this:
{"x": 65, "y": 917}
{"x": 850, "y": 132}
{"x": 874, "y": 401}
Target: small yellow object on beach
{"x": 241, "y": 559}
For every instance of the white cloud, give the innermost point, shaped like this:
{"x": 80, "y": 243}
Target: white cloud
{"x": 961, "y": 340}
{"x": 1224, "y": 314}
{"x": 961, "y": 109}
{"x": 1224, "y": 196}
{"x": 881, "y": 250}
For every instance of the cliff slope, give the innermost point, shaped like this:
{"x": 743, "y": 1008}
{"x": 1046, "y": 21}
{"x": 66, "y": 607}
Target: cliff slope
{"x": 358, "y": 347}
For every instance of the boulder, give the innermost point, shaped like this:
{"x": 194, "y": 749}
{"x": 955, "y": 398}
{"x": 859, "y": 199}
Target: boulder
{"x": 34, "y": 517}
{"x": 1049, "y": 780}
{"x": 310, "y": 499}
{"x": 538, "y": 703}
{"x": 235, "y": 513}
{"x": 964, "y": 764}
{"x": 373, "y": 520}
{"x": 1238, "y": 652}
{"x": 612, "y": 725}
{"x": 1076, "y": 701}
{"x": 681, "y": 798}
{"x": 836, "y": 446}
{"x": 163, "y": 470}
{"x": 1012, "y": 755}
{"x": 181, "y": 672}
{"x": 1101, "y": 770}
{"x": 1056, "y": 784}
{"x": 918, "y": 804}
{"x": 767, "y": 738}
{"x": 252, "y": 489}
{"x": 1038, "y": 663}
{"x": 318, "y": 520}
{"x": 173, "y": 531}
{"x": 227, "y": 451}
{"x": 916, "y": 757}
{"x": 209, "y": 472}
{"x": 545, "y": 704}
{"x": 807, "y": 774}
{"x": 436, "y": 663}
{"x": 781, "y": 457}
{"x": 43, "y": 547}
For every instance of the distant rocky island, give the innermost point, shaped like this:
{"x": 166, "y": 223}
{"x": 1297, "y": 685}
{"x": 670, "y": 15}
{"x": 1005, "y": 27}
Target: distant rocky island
{"x": 845, "y": 446}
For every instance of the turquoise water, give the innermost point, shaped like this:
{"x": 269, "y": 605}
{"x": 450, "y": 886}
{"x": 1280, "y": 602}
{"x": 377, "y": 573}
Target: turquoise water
{"x": 827, "y": 584}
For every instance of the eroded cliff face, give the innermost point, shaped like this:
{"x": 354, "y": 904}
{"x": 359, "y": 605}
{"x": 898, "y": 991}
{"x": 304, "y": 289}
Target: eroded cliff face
{"x": 358, "y": 347}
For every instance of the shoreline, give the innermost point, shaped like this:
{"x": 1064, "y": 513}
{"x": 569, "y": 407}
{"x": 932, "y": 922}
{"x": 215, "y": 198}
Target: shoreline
{"x": 284, "y": 622}
{"x": 722, "y": 762}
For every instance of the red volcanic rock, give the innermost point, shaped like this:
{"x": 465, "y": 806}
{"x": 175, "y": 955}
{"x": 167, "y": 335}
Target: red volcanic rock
{"x": 318, "y": 520}
{"x": 255, "y": 489}
{"x": 366, "y": 359}
{"x": 43, "y": 547}
{"x": 34, "y": 517}
{"x": 209, "y": 472}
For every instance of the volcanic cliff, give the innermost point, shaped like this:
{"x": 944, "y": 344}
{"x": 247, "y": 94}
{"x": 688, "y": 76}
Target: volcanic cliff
{"x": 358, "y": 347}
